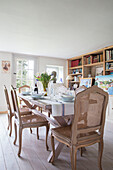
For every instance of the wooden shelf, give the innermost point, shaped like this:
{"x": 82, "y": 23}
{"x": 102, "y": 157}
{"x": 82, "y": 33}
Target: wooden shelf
{"x": 75, "y": 74}
{"x": 74, "y": 82}
{"x": 72, "y": 68}
{"x": 90, "y": 77}
{"x": 109, "y": 48}
{"x": 109, "y": 61}
{"x": 94, "y": 64}
{"x": 109, "y": 70}
{"x": 88, "y": 68}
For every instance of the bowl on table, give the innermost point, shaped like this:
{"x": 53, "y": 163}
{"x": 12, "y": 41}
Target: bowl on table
{"x": 37, "y": 96}
{"x": 67, "y": 98}
{"x": 26, "y": 92}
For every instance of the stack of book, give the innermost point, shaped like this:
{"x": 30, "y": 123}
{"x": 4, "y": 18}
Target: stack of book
{"x": 75, "y": 63}
{"x": 97, "y": 58}
{"x": 109, "y": 55}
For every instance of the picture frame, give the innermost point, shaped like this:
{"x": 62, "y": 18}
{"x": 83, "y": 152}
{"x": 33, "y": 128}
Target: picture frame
{"x": 105, "y": 82}
{"x": 6, "y": 66}
{"x": 87, "y": 82}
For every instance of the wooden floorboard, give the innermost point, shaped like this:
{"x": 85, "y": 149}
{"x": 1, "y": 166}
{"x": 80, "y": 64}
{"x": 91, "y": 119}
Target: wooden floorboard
{"x": 34, "y": 155}
{"x": 2, "y": 159}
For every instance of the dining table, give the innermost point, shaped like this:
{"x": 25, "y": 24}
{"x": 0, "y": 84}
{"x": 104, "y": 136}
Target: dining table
{"x": 60, "y": 113}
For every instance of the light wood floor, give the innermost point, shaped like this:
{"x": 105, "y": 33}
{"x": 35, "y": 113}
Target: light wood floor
{"x": 34, "y": 154}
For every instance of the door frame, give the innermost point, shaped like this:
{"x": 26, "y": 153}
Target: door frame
{"x": 22, "y": 56}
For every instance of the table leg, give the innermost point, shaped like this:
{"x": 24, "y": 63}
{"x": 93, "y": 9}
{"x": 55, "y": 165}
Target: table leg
{"x": 58, "y": 148}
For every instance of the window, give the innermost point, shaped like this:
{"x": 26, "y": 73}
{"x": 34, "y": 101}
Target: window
{"x": 59, "y": 71}
{"x": 25, "y": 72}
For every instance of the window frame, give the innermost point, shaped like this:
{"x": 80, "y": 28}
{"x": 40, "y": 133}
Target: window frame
{"x": 23, "y": 57}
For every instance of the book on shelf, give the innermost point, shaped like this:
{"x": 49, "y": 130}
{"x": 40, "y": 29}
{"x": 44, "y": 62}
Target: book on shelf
{"x": 112, "y": 54}
{"x": 109, "y": 55}
{"x": 88, "y": 59}
{"x": 101, "y": 57}
{"x": 75, "y": 63}
{"x": 97, "y": 58}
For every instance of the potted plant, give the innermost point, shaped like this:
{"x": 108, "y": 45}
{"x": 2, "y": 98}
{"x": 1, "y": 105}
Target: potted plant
{"x": 45, "y": 79}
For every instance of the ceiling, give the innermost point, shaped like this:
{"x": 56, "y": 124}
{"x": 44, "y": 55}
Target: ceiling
{"x": 55, "y": 28}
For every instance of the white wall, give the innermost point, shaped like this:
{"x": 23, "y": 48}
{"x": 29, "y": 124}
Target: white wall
{"x": 40, "y": 66}
{"x": 5, "y": 79}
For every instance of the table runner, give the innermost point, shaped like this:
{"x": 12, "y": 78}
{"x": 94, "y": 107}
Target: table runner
{"x": 59, "y": 107}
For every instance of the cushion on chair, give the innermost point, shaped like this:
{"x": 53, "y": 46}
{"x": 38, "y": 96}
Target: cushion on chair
{"x": 33, "y": 119}
{"x": 63, "y": 133}
{"x": 88, "y": 137}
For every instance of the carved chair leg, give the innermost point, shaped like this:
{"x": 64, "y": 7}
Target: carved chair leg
{"x": 15, "y": 127}
{"x": 47, "y": 131}
{"x": 31, "y": 130}
{"x": 37, "y": 134}
{"x": 20, "y": 141}
{"x": 10, "y": 124}
{"x": 73, "y": 157}
{"x": 100, "y": 151}
{"x": 53, "y": 148}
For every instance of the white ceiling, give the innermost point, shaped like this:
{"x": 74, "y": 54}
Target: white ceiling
{"x": 55, "y": 28}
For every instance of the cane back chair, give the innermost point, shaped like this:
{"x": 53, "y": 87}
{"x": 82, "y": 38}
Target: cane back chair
{"x": 88, "y": 125}
{"x": 27, "y": 121}
{"x": 11, "y": 112}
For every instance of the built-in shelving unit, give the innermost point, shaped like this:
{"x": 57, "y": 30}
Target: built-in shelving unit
{"x": 109, "y": 61}
{"x": 99, "y": 62}
{"x": 94, "y": 64}
{"x": 75, "y": 74}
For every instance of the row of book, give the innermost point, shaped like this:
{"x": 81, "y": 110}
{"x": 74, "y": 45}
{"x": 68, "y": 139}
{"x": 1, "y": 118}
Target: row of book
{"x": 93, "y": 59}
{"x": 109, "y": 55}
{"x": 75, "y": 63}
{"x": 97, "y": 58}
{"x": 109, "y": 66}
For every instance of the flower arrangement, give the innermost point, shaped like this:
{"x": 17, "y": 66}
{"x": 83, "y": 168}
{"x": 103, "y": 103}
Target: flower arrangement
{"x": 45, "y": 79}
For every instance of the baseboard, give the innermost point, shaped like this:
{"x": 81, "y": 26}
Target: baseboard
{"x": 3, "y": 112}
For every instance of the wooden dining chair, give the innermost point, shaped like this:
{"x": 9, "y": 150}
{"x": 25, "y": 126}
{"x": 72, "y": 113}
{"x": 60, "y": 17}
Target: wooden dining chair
{"x": 21, "y": 89}
{"x": 11, "y": 112}
{"x": 88, "y": 124}
{"x": 27, "y": 121}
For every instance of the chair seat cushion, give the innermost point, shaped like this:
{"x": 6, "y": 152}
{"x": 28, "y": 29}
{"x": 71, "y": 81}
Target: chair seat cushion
{"x": 88, "y": 137}
{"x": 33, "y": 120}
{"x": 63, "y": 133}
